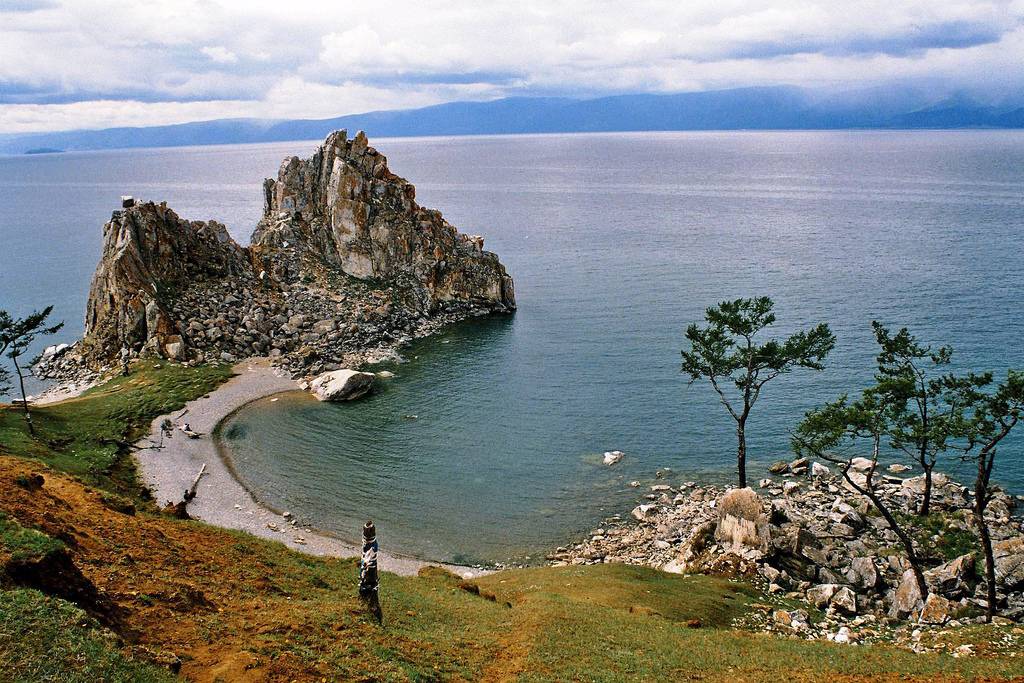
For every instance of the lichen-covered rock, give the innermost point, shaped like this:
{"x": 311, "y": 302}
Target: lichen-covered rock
{"x": 936, "y": 609}
{"x": 954, "y": 577}
{"x": 343, "y": 208}
{"x": 907, "y": 599}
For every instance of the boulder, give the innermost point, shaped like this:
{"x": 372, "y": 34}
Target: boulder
{"x": 845, "y": 600}
{"x": 742, "y": 520}
{"x": 1009, "y": 562}
{"x": 644, "y": 512}
{"x": 861, "y": 464}
{"x": 342, "y": 385}
{"x": 907, "y": 598}
{"x": 819, "y": 470}
{"x": 780, "y": 467}
{"x": 936, "y": 610}
{"x": 953, "y": 577}
{"x": 821, "y": 595}
{"x": 898, "y": 468}
{"x": 863, "y": 573}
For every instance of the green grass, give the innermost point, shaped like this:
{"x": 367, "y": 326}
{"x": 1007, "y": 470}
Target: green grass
{"x": 25, "y": 544}
{"x": 46, "y": 639}
{"x": 87, "y": 436}
{"x": 300, "y": 613}
{"x": 593, "y": 623}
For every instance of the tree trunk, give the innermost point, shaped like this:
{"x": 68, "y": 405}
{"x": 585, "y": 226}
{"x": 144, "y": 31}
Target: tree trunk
{"x": 741, "y": 453}
{"x": 908, "y": 544}
{"x": 926, "y": 503}
{"x": 990, "y": 563}
{"x": 24, "y": 399}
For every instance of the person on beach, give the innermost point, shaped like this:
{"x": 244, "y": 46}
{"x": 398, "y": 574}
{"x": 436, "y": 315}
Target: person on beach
{"x": 369, "y": 581}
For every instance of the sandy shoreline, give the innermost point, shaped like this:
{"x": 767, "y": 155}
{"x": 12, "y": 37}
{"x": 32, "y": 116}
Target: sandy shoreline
{"x": 221, "y": 499}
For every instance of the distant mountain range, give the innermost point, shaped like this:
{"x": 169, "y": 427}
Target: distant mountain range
{"x": 763, "y": 108}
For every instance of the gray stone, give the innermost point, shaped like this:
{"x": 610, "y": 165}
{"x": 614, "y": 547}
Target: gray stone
{"x": 821, "y": 595}
{"x": 845, "y": 600}
{"x": 1009, "y": 562}
{"x": 342, "y": 385}
{"x": 907, "y": 598}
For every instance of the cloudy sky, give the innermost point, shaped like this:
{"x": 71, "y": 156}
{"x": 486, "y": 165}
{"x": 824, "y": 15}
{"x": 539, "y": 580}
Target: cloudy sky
{"x": 67, "y": 64}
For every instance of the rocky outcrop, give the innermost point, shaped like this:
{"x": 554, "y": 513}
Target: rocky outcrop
{"x": 149, "y": 255}
{"x": 343, "y": 267}
{"x": 811, "y": 537}
{"x": 343, "y": 209}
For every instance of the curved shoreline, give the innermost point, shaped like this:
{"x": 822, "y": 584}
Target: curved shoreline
{"x": 221, "y": 497}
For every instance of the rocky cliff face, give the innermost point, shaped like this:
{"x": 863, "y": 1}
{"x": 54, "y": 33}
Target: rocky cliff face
{"x": 344, "y": 209}
{"x": 149, "y": 256}
{"x": 343, "y": 262}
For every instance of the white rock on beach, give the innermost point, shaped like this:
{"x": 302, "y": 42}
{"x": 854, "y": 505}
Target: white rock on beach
{"x": 342, "y": 385}
{"x": 612, "y": 457}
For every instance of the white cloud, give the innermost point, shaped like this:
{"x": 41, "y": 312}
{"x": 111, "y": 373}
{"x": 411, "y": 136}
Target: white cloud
{"x": 171, "y": 59}
{"x": 220, "y": 54}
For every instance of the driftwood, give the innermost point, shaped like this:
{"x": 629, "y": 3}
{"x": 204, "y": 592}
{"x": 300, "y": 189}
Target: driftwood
{"x": 180, "y": 510}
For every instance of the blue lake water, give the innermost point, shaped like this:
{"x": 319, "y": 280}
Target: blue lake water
{"x": 616, "y": 243}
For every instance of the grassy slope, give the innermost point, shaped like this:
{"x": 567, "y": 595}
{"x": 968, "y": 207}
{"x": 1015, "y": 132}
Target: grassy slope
{"x": 86, "y": 436}
{"x": 234, "y": 607}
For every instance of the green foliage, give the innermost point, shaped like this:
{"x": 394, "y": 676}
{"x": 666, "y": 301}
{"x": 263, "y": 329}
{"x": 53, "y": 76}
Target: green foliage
{"x": 943, "y": 536}
{"x": 910, "y": 380}
{"x": 89, "y": 436}
{"x": 25, "y": 544}
{"x": 837, "y": 431}
{"x": 728, "y": 351}
{"x": 44, "y": 639}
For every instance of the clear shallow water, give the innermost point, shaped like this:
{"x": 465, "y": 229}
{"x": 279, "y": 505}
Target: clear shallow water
{"x": 616, "y": 243}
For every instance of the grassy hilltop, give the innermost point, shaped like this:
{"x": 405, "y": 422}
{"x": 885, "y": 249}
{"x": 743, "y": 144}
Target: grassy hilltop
{"x": 97, "y": 584}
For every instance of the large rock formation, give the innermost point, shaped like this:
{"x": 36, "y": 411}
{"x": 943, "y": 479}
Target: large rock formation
{"x": 344, "y": 209}
{"x": 343, "y": 262}
{"x": 149, "y": 255}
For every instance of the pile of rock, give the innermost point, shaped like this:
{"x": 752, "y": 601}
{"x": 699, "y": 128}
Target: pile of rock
{"x": 809, "y": 536}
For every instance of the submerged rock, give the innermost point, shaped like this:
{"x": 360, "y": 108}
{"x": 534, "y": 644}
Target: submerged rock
{"x": 612, "y": 457}
{"x": 342, "y": 385}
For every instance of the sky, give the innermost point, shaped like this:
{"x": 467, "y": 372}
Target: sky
{"x": 74, "y": 64}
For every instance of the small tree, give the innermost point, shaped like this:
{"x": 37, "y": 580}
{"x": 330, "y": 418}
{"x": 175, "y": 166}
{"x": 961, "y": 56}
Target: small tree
{"x": 5, "y": 375}
{"x": 922, "y": 420}
{"x": 16, "y": 336}
{"x": 836, "y": 432}
{"x": 727, "y": 352}
{"x": 988, "y": 420}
